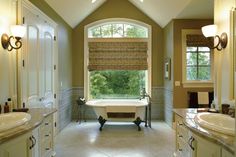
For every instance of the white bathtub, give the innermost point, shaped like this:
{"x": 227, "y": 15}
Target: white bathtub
{"x": 119, "y": 109}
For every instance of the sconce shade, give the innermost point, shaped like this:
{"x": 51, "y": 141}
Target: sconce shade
{"x": 18, "y": 30}
{"x": 209, "y": 30}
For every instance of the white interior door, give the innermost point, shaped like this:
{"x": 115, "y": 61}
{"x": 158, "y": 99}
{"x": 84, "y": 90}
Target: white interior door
{"x": 38, "y": 74}
{"x": 31, "y": 58}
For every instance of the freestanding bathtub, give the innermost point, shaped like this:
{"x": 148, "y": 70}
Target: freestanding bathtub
{"x": 120, "y": 110}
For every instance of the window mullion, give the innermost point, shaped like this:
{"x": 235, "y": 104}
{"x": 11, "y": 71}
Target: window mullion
{"x": 197, "y": 64}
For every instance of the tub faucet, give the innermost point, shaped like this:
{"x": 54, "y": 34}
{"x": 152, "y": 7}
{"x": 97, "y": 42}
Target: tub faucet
{"x": 144, "y": 94}
{"x": 148, "y": 110}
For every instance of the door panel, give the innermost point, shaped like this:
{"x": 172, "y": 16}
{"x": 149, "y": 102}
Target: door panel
{"x": 31, "y": 91}
{"x": 48, "y": 42}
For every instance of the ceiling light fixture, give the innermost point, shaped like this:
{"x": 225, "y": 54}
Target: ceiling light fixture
{"x": 209, "y": 31}
{"x": 141, "y": 1}
{"x": 93, "y": 1}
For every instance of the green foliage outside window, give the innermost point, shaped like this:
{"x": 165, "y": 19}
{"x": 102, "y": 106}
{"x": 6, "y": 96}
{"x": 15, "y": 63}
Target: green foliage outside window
{"x": 118, "y": 30}
{"x": 116, "y": 83}
{"x": 198, "y": 63}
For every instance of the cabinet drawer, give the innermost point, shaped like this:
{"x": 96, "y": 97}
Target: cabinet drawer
{"x": 184, "y": 149}
{"x": 47, "y": 122}
{"x": 183, "y": 133}
{"x": 46, "y": 147}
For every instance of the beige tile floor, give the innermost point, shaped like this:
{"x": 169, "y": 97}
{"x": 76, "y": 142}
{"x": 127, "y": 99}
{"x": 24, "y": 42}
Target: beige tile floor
{"x": 116, "y": 140}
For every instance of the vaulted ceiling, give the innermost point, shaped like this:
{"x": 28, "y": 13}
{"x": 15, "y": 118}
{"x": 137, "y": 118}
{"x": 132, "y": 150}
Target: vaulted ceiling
{"x": 161, "y": 11}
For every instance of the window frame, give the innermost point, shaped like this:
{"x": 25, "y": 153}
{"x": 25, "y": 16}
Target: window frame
{"x": 112, "y": 23}
{"x": 125, "y": 39}
{"x": 194, "y": 83}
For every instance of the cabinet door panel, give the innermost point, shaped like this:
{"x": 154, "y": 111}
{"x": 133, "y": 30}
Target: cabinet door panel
{"x": 226, "y": 153}
{"x": 206, "y": 148}
{"x": 18, "y": 147}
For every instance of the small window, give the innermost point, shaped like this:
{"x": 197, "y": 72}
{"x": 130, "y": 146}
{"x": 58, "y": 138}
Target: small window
{"x": 118, "y": 30}
{"x": 198, "y": 63}
{"x": 197, "y": 59}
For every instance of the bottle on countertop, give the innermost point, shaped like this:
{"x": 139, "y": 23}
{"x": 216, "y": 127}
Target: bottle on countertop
{"x": 6, "y": 108}
{"x": 9, "y": 102}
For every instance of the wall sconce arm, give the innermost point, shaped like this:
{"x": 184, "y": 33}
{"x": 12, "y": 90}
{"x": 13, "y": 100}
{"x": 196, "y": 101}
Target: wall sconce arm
{"x": 7, "y": 42}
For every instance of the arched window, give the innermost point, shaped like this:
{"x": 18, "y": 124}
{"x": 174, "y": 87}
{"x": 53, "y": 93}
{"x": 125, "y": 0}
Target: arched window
{"x": 118, "y": 30}
{"x": 117, "y": 59}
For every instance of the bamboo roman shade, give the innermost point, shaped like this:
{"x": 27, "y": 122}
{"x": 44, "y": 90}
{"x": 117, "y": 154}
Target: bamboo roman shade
{"x": 199, "y": 40}
{"x": 117, "y": 56}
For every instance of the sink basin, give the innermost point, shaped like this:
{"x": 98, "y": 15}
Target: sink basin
{"x": 12, "y": 120}
{"x": 216, "y": 122}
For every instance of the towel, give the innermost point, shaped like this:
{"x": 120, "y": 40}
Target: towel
{"x": 203, "y": 98}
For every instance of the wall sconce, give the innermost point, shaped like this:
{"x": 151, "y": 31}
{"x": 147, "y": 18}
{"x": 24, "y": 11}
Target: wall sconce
{"x": 210, "y": 31}
{"x": 18, "y": 32}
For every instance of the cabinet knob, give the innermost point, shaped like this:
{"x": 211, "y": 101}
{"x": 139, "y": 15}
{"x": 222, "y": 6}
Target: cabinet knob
{"x": 46, "y": 123}
{"x": 47, "y": 148}
{"x": 47, "y": 135}
{"x": 180, "y": 124}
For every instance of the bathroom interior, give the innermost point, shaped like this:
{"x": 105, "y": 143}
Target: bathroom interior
{"x": 117, "y": 78}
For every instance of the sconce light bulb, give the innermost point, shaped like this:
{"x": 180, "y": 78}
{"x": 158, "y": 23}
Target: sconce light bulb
{"x": 209, "y": 30}
{"x": 18, "y": 31}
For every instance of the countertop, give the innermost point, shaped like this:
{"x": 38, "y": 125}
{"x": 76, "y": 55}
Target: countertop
{"x": 188, "y": 115}
{"x": 37, "y": 116}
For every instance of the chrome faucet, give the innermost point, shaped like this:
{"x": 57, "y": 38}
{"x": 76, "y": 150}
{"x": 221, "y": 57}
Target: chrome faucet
{"x": 144, "y": 94}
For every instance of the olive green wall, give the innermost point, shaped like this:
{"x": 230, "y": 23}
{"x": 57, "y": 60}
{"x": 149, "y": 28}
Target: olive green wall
{"x": 117, "y": 9}
{"x": 168, "y": 50}
{"x": 64, "y": 45}
{"x": 180, "y": 93}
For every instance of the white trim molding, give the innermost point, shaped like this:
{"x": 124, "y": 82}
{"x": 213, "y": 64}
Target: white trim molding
{"x": 194, "y": 83}
{"x": 123, "y": 20}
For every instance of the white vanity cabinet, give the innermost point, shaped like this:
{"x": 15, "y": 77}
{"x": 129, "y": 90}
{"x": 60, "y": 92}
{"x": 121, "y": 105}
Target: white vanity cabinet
{"x": 25, "y": 145}
{"x": 184, "y": 140}
{"x": 46, "y": 137}
{"x": 189, "y": 144}
{"x": 36, "y": 143}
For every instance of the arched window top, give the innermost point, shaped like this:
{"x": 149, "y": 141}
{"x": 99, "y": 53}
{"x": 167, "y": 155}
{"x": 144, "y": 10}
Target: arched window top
{"x": 118, "y": 30}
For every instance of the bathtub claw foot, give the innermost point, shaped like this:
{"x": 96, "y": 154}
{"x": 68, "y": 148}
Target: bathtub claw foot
{"x": 138, "y": 122}
{"x": 102, "y": 121}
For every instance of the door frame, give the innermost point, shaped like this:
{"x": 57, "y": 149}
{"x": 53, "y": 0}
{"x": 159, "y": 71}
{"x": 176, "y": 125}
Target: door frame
{"x": 21, "y": 55}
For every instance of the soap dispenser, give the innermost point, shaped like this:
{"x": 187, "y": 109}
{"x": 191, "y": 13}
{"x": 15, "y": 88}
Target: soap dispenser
{"x": 6, "y": 108}
{"x": 9, "y": 102}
